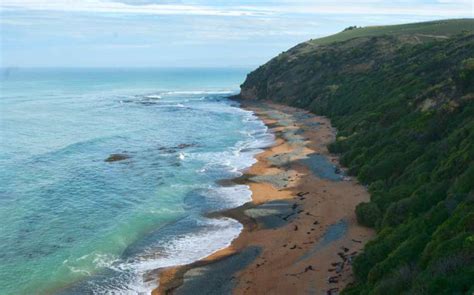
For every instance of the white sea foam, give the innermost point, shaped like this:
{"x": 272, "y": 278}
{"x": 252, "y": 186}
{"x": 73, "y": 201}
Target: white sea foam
{"x": 213, "y": 235}
{"x": 242, "y": 155}
{"x": 231, "y": 196}
{"x": 216, "y": 234}
{"x": 153, "y": 96}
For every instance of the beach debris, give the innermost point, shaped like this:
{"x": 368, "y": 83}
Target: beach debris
{"x": 333, "y": 291}
{"x": 333, "y": 280}
{"x": 308, "y": 268}
{"x": 340, "y": 267}
{"x": 295, "y": 228}
{"x": 342, "y": 255}
{"x": 117, "y": 157}
{"x": 294, "y": 247}
{"x": 301, "y": 194}
{"x": 356, "y": 241}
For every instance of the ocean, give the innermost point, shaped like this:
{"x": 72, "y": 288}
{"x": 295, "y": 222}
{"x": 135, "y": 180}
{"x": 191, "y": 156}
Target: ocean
{"x": 73, "y": 223}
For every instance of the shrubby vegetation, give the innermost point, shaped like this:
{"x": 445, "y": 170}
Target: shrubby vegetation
{"x": 404, "y": 109}
{"x": 368, "y": 214}
{"x": 350, "y": 28}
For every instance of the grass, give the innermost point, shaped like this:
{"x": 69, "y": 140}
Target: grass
{"x": 433, "y": 29}
{"x": 423, "y": 31}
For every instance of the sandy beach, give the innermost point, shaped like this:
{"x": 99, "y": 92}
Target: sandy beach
{"x": 300, "y": 231}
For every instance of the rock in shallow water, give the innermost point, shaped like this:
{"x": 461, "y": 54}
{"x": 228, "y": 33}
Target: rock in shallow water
{"x": 117, "y": 157}
{"x": 219, "y": 277}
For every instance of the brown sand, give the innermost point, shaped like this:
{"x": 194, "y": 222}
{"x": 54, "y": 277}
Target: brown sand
{"x": 289, "y": 262}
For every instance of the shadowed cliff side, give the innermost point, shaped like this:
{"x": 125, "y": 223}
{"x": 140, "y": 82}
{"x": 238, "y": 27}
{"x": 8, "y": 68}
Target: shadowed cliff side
{"x": 402, "y": 98}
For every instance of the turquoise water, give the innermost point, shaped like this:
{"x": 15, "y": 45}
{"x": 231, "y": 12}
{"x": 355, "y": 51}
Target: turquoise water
{"x": 74, "y": 223}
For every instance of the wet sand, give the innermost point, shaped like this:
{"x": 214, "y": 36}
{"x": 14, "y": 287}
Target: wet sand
{"x": 300, "y": 231}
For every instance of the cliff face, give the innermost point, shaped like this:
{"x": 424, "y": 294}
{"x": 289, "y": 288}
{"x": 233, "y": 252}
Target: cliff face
{"x": 403, "y": 103}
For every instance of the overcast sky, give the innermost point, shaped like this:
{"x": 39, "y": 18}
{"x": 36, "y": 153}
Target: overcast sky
{"x": 191, "y": 33}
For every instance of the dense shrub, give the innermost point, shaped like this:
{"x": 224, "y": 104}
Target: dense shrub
{"x": 368, "y": 214}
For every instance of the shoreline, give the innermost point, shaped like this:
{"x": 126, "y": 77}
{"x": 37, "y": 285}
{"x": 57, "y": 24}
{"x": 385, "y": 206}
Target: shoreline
{"x": 299, "y": 232}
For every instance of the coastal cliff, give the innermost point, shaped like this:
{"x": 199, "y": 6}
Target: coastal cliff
{"x": 402, "y": 99}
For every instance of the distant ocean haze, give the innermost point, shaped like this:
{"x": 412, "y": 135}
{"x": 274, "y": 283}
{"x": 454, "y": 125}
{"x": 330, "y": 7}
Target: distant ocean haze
{"x": 76, "y": 223}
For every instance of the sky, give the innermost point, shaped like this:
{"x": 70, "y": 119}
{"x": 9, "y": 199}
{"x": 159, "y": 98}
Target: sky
{"x": 188, "y": 33}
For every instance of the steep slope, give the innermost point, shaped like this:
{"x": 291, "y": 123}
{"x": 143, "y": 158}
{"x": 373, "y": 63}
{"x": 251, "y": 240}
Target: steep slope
{"x": 402, "y": 98}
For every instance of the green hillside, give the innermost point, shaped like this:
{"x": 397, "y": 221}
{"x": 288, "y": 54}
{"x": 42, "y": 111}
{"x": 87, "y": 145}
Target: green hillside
{"x": 403, "y": 105}
{"x": 424, "y": 31}
{"x": 434, "y": 29}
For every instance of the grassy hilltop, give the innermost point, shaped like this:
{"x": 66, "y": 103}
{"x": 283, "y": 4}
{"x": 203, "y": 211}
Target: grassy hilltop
{"x": 402, "y": 98}
{"x": 425, "y": 31}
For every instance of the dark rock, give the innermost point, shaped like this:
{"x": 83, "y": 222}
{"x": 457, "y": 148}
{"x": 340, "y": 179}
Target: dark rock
{"x": 117, "y": 157}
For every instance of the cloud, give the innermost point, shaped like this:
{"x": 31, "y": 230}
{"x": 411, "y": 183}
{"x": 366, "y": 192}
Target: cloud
{"x": 453, "y": 11}
{"x": 442, "y": 8}
{"x": 105, "y": 6}
{"x": 123, "y": 46}
{"x": 170, "y": 32}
